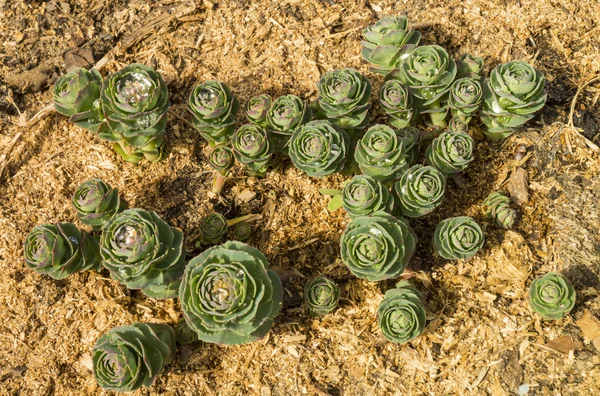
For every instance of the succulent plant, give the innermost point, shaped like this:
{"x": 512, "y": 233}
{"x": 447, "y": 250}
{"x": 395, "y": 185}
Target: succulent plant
{"x": 252, "y": 148}
{"x": 457, "y": 125}
{"x": 411, "y": 139}
{"x": 229, "y": 295}
{"x": 465, "y": 98}
{"x": 401, "y": 315}
{"x": 397, "y": 103}
{"x": 213, "y": 107}
{"x": 59, "y": 250}
{"x": 96, "y": 202}
{"x": 378, "y": 246}
{"x": 184, "y": 334}
{"x": 386, "y": 41}
{"x": 381, "y": 153}
{"x": 420, "y": 190}
{"x": 257, "y": 109}
{"x": 143, "y": 252}
{"x": 321, "y": 295}
{"x": 450, "y": 152}
{"x": 344, "y": 98}
{"x": 319, "y": 149}
{"x": 130, "y": 357}
{"x": 213, "y": 227}
{"x": 498, "y": 208}
{"x": 511, "y": 96}
{"x": 221, "y": 159}
{"x": 470, "y": 66}
{"x": 76, "y": 95}
{"x": 242, "y": 231}
{"x": 457, "y": 238}
{"x": 551, "y": 296}
{"x": 363, "y": 195}
{"x": 428, "y": 72}
{"x": 135, "y": 101}
{"x": 286, "y": 114}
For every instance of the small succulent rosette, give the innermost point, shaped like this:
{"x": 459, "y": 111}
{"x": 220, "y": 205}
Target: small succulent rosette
{"x": 221, "y": 159}
{"x": 184, "y": 334}
{"x": 213, "y": 227}
{"x": 229, "y": 295}
{"x": 96, "y": 202}
{"x": 465, "y": 98}
{"x": 364, "y": 195}
{"x": 458, "y": 238}
{"x": 451, "y": 152}
{"x": 470, "y": 66}
{"x": 285, "y": 115}
{"x": 257, "y": 109}
{"x": 397, "y": 102}
{"x": 242, "y": 231}
{"x": 420, "y": 190}
{"x": 252, "y": 147}
{"x": 497, "y": 207}
{"x": 321, "y": 295}
{"x": 551, "y": 296}
{"x": 401, "y": 315}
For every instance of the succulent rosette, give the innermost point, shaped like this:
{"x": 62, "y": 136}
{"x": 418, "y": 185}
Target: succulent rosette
{"x": 397, "y": 103}
{"x": 420, "y": 190}
{"x": 511, "y": 96}
{"x": 401, "y": 315}
{"x": 130, "y": 357}
{"x": 286, "y": 114}
{"x": 59, "y": 250}
{"x": 457, "y": 125}
{"x": 551, "y": 296}
{"x": 428, "y": 72}
{"x": 470, "y": 66}
{"x": 498, "y": 208}
{"x": 411, "y": 139}
{"x": 96, "y": 202}
{"x": 321, "y": 295}
{"x": 343, "y": 98}
{"x": 221, "y": 159}
{"x": 229, "y": 295}
{"x": 363, "y": 195}
{"x": 319, "y": 149}
{"x": 184, "y": 334}
{"x": 252, "y": 148}
{"x": 143, "y": 252}
{"x": 386, "y": 41}
{"x": 451, "y": 152}
{"x": 381, "y": 153}
{"x": 76, "y": 95}
{"x": 378, "y": 246}
{"x": 457, "y": 238}
{"x": 135, "y": 101}
{"x": 213, "y": 228}
{"x": 213, "y": 107}
{"x": 257, "y": 109}
{"x": 242, "y": 231}
{"x": 465, "y": 98}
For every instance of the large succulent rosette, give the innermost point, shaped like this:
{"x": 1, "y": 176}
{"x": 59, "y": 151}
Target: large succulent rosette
{"x": 378, "y": 246}
{"x": 401, "y": 315}
{"x": 286, "y": 114}
{"x": 386, "y": 41}
{"x": 130, "y": 357}
{"x": 420, "y": 190}
{"x": 213, "y": 107}
{"x": 498, "y": 208}
{"x": 252, "y": 148}
{"x": 135, "y": 101}
{"x": 457, "y": 238}
{"x": 229, "y": 295}
{"x": 381, "y": 153}
{"x": 511, "y": 95}
{"x": 96, "y": 202}
{"x": 397, "y": 103}
{"x": 451, "y": 152}
{"x": 551, "y": 296}
{"x": 59, "y": 250}
{"x": 321, "y": 295}
{"x": 363, "y": 195}
{"x": 143, "y": 252}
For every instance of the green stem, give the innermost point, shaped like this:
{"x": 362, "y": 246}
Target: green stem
{"x": 218, "y": 183}
{"x": 247, "y": 218}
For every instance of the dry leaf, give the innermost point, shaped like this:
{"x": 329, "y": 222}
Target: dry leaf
{"x": 565, "y": 344}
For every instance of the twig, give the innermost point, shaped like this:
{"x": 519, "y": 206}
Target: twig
{"x": 5, "y": 156}
{"x": 572, "y": 111}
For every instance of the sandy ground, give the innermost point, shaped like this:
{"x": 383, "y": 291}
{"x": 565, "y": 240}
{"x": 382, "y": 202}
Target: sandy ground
{"x": 481, "y": 337}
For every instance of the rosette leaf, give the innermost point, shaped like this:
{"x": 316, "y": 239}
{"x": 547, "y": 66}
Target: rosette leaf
{"x": 397, "y": 103}
{"x": 420, "y": 190}
{"x": 465, "y": 98}
{"x": 213, "y": 107}
{"x": 470, "y": 66}
{"x": 321, "y": 295}
{"x": 457, "y": 238}
{"x": 257, "y": 109}
{"x": 363, "y": 195}
{"x": 511, "y": 96}
{"x": 213, "y": 228}
{"x": 130, "y": 357}
{"x": 143, "y": 252}
{"x": 59, "y": 250}
{"x": 135, "y": 101}
{"x": 319, "y": 149}
{"x": 76, "y": 95}
{"x": 229, "y": 296}
{"x": 96, "y": 202}
{"x": 450, "y": 152}
{"x": 551, "y": 296}
{"x": 427, "y": 71}
{"x": 386, "y": 41}
{"x": 344, "y": 98}
{"x": 286, "y": 114}
{"x": 252, "y": 148}
{"x": 497, "y": 207}
{"x": 401, "y": 315}
{"x": 381, "y": 153}
{"x": 184, "y": 334}
{"x": 242, "y": 231}
{"x": 378, "y": 246}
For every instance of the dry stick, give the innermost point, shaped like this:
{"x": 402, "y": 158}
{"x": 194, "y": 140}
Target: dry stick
{"x": 573, "y": 103}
